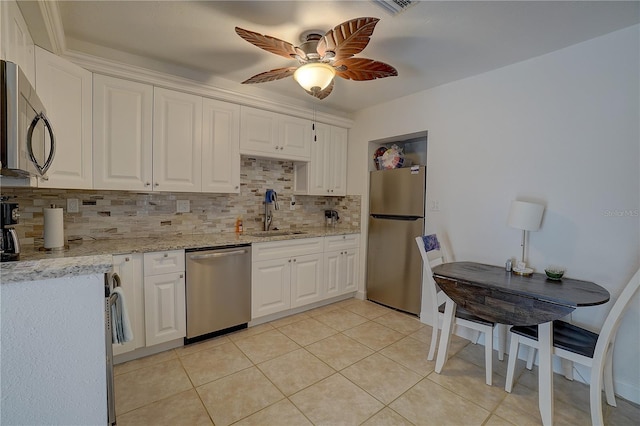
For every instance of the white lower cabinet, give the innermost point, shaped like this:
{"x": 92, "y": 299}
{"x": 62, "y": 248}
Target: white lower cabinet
{"x": 306, "y": 279}
{"x": 164, "y": 297}
{"x": 129, "y": 269}
{"x": 286, "y": 274}
{"x": 294, "y": 273}
{"x": 271, "y": 287}
{"x": 341, "y": 271}
{"x": 341, "y": 264}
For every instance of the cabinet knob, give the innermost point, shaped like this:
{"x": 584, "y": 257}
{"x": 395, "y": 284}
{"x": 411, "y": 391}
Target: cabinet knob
{"x": 181, "y": 275}
{"x": 147, "y": 184}
{"x": 277, "y": 148}
{"x": 237, "y": 187}
{"x": 289, "y": 260}
{"x": 294, "y": 260}
{"x": 156, "y": 184}
{"x": 166, "y": 255}
{"x": 126, "y": 259}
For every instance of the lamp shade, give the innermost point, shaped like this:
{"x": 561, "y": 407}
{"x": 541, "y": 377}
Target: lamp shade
{"x": 314, "y": 74}
{"x": 526, "y": 216}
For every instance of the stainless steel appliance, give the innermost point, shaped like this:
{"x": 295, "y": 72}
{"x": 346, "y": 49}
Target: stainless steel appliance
{"x": 218, "y": 286}
{"x": 27, "y": 142}
{"x": 396, "y": 217}
{"x": 9, "y": 243}
{"x": 331, "y": 217}
{"x": 111, "y": 281}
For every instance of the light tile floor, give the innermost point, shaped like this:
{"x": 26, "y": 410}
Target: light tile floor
{"x": 349, "y": 363}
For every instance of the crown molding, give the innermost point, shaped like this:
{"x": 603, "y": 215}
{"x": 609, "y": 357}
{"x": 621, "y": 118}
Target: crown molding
{"x": 145, "y": 75}
{"x": 53, "y": 25}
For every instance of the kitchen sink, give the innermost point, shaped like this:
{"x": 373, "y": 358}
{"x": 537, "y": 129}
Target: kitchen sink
{"x": 274, "y": 233}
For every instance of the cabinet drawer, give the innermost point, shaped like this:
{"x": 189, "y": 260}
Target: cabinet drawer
{"x": 287, "y": 248}
{"x": 339, "y": 242}
{"x": 163, "y": 262}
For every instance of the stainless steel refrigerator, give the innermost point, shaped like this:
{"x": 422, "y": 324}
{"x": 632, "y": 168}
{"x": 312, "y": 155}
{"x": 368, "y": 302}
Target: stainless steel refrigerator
{"x": 396, "y": 217}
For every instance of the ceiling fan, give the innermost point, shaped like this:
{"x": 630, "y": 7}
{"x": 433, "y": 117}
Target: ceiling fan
{"x": 322, "y": 57}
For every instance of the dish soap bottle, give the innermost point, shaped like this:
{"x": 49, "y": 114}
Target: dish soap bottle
{"x": 239, "y": 225}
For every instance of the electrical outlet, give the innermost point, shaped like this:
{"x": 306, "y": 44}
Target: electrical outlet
{"x": 292, "y": 204}
{"x": 183, "y": 206}
{"x": 434, "y": 205}
{"x": 73, "y": 205}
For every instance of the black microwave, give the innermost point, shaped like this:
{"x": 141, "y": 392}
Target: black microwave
{"x": 27, "y": 142}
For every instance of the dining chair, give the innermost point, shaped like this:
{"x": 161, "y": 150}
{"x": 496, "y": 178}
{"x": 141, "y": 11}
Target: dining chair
{"x": 576, "y": 344}
{"x": 433, "y": 254}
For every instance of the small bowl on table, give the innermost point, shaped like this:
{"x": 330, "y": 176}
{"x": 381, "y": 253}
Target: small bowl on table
{"x": 554, "y": 273}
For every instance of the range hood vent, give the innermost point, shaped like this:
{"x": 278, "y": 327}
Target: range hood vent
{"x": 394, "y": 6}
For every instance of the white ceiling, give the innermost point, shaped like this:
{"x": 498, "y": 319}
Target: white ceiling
{"x": 430, "y": 43}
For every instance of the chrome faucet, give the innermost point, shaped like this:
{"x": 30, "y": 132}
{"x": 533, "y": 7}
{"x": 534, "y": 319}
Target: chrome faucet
{"x": 270, "y": 197}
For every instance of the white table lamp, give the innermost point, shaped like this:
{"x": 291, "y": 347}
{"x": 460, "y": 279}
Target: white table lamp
{"x": 526, "y": 216}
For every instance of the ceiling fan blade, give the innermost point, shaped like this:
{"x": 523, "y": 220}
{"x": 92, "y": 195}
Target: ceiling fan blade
{"x": 272, "y": 75}
{"x": 348, "y": 38}
{"x": 363, "y": 69}
{"x": 268, "y": 43}
{"x": 321, "y": 94}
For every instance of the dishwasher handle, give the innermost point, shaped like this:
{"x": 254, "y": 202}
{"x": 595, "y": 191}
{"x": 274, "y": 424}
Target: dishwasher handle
{"x": 216, "y": 255}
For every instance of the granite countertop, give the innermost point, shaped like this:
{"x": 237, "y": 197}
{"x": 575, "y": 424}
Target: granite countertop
{"x": 95, "y": 257}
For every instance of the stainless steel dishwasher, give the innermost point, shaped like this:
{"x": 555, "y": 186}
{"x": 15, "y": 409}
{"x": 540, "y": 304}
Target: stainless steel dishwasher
{"x": 218, "y": 286}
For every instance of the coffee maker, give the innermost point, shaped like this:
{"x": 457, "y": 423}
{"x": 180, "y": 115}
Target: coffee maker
{"x": 9, "y": 244}
{"x": 331, "y": 217}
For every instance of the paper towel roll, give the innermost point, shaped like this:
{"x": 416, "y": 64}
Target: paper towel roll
{"x": 53, "y": 228}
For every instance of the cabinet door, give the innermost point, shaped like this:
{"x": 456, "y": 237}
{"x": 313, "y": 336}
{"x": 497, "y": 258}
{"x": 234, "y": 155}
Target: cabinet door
{"x": 122, "y": 134}
{"x": 336, "y": 159}
{"x": 332, "y": 276}
{"x": 65, "y": 90}
{"x": 164, "y": 308}
{"x": 270, "y": 287}
{"x": 16, "y": 41}
{"x": 294, "y": 137}
{"x": 220, "y": 146}
{"x": 306, "y": 279}
{"x": 320, "y": 158}
{"x": 177, "y": 146}
{"x": 349, "y": 270}
{"x": 258, "y": 132}
{"x": 129, "y": 268}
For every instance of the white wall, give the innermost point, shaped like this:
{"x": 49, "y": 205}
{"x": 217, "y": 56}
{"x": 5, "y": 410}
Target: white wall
{"x": 561, "y": 129}
{"x": 53, "y": 352}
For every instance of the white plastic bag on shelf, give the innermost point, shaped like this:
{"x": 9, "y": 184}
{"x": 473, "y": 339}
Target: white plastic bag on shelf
{"x": 393, "y": 158}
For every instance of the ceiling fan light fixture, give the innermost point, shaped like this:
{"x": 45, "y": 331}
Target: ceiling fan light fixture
{"x": 314, "y": 76}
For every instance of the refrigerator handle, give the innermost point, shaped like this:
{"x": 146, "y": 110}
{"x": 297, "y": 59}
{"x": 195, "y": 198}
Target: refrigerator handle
{"x": 395, "y": 217}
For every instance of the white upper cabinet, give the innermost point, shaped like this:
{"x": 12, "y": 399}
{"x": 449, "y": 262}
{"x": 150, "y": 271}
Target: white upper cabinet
{"x": 177, "y": 141}
{"x": 15, "y": 40}
{"x": 155, "y": 139}
{"x": 122, "y": 134}
{"x": 326, "y": 173}
{"x": 272, "y": 135}
{"x": 65, "y": 91}
{"x": 220, "y": 147}
{"x": 337, "y": 162}
{"x": 294, "y": 137}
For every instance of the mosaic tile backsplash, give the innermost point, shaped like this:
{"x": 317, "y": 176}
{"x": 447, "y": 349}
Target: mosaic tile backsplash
{"x": 120, "y": 214}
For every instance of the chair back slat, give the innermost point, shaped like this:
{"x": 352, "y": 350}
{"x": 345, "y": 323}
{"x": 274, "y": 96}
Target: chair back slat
{"x": 611, "y": 324}
{"x": 435, "y": 256}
